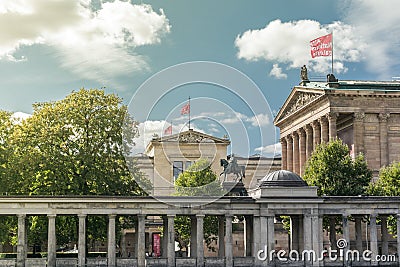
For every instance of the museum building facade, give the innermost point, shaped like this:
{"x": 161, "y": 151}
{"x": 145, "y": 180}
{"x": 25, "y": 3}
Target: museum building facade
{"x": 364, "y": 114}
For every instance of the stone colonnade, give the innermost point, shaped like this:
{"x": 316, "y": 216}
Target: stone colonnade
{"x": 298, "y": 145}
{"x": 306, "y": 217}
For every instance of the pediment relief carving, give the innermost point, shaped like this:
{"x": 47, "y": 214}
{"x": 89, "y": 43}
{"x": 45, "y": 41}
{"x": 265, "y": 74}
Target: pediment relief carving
{"x": 299, "y": 100}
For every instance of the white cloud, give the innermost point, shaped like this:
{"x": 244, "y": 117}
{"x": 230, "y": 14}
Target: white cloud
{"x": 94, "y": 44}
{"x": 378, "y": 23}
{"x": 270, "y": 150}
{"x": 277, "y": 72}
{"x": 289, "y": 43}
{"x": 257, "y": 120}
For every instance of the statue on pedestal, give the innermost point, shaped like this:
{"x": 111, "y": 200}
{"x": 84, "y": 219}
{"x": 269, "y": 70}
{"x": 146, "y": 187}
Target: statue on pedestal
{"x": 231, "y": 166}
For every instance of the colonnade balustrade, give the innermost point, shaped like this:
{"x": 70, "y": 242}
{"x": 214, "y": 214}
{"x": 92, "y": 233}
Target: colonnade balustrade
{"x": 259, "y": 230}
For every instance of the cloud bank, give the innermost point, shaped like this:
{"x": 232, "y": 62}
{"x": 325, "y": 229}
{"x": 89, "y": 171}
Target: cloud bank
{"x": 93, "y": 44}
{"x": 288, "y": 43}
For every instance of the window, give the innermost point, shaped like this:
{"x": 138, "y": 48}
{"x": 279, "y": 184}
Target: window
{"x": 188, "y": 164}
{"x": 178, "y": 169}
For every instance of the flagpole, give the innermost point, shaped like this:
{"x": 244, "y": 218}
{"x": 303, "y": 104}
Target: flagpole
{"x": 332, "y": 52}
{"x": 189, "y": 112}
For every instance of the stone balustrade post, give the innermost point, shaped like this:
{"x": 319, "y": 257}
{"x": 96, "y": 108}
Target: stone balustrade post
{"x": 82, "y": 240}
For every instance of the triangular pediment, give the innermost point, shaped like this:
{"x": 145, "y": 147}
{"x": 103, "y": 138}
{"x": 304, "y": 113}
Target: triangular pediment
{"x": 191, "y": 136}
{"x": 297, "y": 100}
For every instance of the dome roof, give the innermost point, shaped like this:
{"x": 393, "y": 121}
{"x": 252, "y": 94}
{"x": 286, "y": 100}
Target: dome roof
{"x": 282, "y": 178}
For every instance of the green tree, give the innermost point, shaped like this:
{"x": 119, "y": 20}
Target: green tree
{"x": 75, "y": 146}
{"x": 335, "y": 173}
{"x": 198, "y": 180}
{"x": 388, "y": 184}
{"x": 6, "y": 128}
{"x": 331, "y": 168}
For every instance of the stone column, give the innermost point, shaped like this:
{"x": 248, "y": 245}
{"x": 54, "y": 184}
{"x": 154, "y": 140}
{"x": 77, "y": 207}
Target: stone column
{"x": 221, "y": 237}
{"x": 289, "y": 153}
{"x": 248, "y": 236}
{"x": 316, "y": 234}
{"x": 193, "y": 237}
{"x": 228, "y": 241}
{"x": 271, "y": 232}
{"x": 324, "y": 129}
{"x": 384, "y": 233}
{"x": 82, "y": 240}
{"x": 309, "y": 141}
{"x": 383, "y": 138}
{"x": 374, "y": 238}
{"x": 284, "y": 153}
{"x": 123, "y": 243}
{"x": 256, "y": 237}
{"x": 307, "y": 234}
{"x": 398, "y": 237}
{"x": 358, "y": 132}
{"x": 296, "y": 153}
{"x": 302, "y": 150}
{"x": 359, "y": 234}
{"x": 171, "y": 241}
{"x": 22, "y": 240}
{"x": 332, "y": 117}
{"x": 165, "y": 237}
{"x": 141, "y": 241}
{"x": 199, "y": 241}
{"x": 111, "y": 241}
{"x": 51, "y": 242}
{"x": 316, "y": 133}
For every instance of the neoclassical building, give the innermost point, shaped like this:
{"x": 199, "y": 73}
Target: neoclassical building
{"x": 364, "y": 114}
{"x": 167, "y": 156}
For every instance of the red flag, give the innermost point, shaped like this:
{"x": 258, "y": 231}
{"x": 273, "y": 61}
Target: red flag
{"x": 168, "y": 130}
{"x": 185, "y": 109}
{"x": 322, "y": 46}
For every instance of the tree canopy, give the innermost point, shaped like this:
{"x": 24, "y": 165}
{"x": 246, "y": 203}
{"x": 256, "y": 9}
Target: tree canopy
{"x": 388, "y": 183}
{"x": 198, "y": 180}
{"x": 74, "y": 146}
{"x": 332, "y": 169}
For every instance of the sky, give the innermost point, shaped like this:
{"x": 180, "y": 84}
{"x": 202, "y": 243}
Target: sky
{"x": 236, "y": 60}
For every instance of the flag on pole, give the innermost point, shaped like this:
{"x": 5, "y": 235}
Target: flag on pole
{"x": 168, "y": 130}
{"x": 322, "y": 46}
{"x": 185, "y": 109}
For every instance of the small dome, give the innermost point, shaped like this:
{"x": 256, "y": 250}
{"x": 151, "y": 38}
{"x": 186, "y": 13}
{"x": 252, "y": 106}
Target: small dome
{"x": 282, "y": 178}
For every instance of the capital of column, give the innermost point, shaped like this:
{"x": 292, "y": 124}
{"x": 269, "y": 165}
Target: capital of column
{"x": 51, "y": 216}
{"x": 308, "y": 129}
{"x": 289, "y": 139}
{"x": 301, "y": 132}
{"x": 315, "y": 124}
{"x": 383, "y": 117}
{"x": 83, "y": 216}
{"x": 332, "y": 116}
{"x": 112, "y": 216}
{"x": 359, "y": 116}
{"x": 283, "y": 140}
{"x": 323, "y": 120}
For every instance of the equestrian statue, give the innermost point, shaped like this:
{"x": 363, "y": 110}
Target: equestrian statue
{"x": 231, "y": 166}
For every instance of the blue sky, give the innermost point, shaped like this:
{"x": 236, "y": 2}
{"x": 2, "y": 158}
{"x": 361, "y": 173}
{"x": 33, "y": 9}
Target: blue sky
{"x": 49, "y": 48}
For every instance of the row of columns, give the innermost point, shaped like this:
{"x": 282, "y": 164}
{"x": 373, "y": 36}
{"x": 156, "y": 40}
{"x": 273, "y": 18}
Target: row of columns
{"x": 297, "y": 147}
{"x": 197, "y": 237}
{"x": 306, "y": 234}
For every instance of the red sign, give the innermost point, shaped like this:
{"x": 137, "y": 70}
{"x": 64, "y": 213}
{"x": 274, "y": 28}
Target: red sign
{"x": 157, "y": 245}
{"x": 322, "y": 46}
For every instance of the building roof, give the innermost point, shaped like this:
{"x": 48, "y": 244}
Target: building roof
{"x": 282, "y": 178}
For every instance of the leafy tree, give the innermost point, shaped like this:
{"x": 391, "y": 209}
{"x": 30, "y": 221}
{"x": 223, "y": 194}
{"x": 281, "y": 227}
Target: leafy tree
{"x": 6, "y": 128}
{"x": 331, "y": 168}
{"x": 198, "y": 180}
{"x": 388, "y": 184}
{"x": 335, "y": 173}
{"x": 75, "y": 146}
